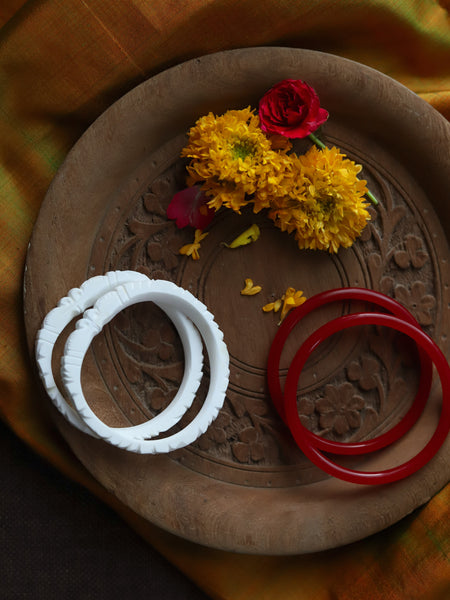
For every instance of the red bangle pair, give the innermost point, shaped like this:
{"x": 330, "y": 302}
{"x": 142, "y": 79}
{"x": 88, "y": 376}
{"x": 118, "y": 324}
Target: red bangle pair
{"x": 312, "y": 444}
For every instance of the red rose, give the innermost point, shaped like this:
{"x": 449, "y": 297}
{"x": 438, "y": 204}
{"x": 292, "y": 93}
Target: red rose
{"x": 291, "y": 108}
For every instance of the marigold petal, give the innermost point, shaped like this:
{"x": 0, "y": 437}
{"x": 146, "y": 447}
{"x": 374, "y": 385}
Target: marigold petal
{"x": 250, "y": 289}
{"x": 272, "y": 306}
{"x": 193, "y": 248}
{"x": 249, "y": 235}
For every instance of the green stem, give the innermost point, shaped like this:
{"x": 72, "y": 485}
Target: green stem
{"x": 322, "y": 146}
{"x": 372, "y": 198}
{"x": 316, "y": 140}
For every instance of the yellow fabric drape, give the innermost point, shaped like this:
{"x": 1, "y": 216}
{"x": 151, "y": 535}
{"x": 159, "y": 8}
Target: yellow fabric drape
{"x": 61, "y": 65}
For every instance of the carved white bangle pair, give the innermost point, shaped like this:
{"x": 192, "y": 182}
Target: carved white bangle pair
{"x": 108, "y": 295}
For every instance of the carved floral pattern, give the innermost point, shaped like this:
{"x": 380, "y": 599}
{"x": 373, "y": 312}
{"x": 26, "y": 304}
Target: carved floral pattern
{"x": 306, "y": 411}
{"x": 398, "y": 260}
{"x": 413, "y": 254}
{"x": 366, "y": 372}
{"x": 149, "y": 353}
{"x": 340, "y": 408}
{"x": 248, "y": 446}
{"x": 215, "y": 434}
{"x": 417, "y": 301}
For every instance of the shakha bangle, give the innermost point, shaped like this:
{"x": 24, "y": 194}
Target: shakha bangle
{"x": 72, "y": 306}
{"x": 171, "y": 298}
{"x": 307, "y": 445}
{"x": 346, "y": 294}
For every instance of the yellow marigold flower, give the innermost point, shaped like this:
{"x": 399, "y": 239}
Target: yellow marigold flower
{"x": 250, "y": 289}
{"x": 232, "y": 156}
{"x": 193, "y": 248}
{"x": 290, "y": 299}
{"x": 325, "y": 207}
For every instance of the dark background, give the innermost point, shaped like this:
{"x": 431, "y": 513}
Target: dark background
{"x": 60, "y": 542}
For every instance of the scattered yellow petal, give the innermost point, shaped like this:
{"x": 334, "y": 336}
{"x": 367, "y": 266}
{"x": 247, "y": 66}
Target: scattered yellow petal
{"x": 272, "y": 306}
{"x": 249, "y": 235}
{"x": 193, "y": 248}
{"x": 290, "y": 299}
{"x": 250, "y": 289}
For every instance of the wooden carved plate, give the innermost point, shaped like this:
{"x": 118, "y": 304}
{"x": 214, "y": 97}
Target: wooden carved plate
{"x": 244, "y": 486}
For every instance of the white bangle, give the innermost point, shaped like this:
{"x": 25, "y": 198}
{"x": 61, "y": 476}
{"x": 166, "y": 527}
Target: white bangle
{"x": 173, "y": 298}
{"x": 73, "y": 305}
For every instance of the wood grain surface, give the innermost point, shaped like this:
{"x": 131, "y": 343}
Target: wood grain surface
{"x": 244, "y": 486}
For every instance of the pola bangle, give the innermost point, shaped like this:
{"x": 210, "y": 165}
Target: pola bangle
{"x": 307, "y": 444}
{"x": 171, "y": 297}
{"x": 345, "y": 294}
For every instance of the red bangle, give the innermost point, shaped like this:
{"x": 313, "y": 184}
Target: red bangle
{"x": 343, "y": 294}
{"x": 305, "y": 442}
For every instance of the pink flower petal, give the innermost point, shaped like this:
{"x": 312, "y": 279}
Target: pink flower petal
{"x": 189, "y": 207}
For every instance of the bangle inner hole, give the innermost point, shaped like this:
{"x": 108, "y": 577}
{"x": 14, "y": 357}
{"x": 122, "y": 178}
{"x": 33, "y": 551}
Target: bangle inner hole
{"x": 134, "y": 366}
{"x": 366, "y": 392}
